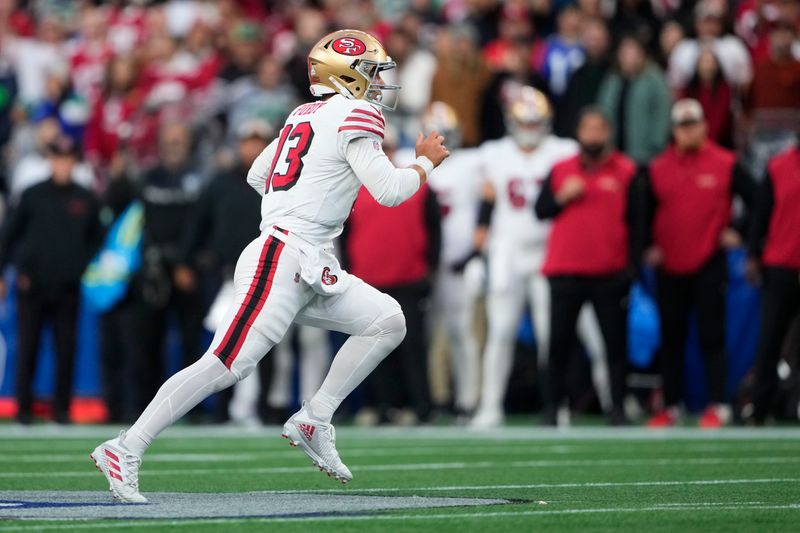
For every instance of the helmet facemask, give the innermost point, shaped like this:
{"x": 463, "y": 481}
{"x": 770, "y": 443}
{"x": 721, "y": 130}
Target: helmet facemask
{"x": 378, "y": 92}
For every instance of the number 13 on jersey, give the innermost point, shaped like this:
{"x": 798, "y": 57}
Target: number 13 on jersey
{"x": 293, "y": 145}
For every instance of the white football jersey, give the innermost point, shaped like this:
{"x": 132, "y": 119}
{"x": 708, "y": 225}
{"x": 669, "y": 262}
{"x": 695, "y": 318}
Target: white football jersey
{"x": 457, "y": 185}
{"x": 311, "y": 187}
{"x": 517, "y": 179}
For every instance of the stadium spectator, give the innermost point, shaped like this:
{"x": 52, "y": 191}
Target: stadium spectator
{"x": 637, "y": 18}
{"x": 591, "y": 199}
{"x": 774, "y": 255}
{"x": 636, "y": 99}
{"x": 709, "y": 87}
{"x": 415, "y": 69}
{"x": 397, "y": 250}
{"x": 54, "y": 230}
{"x": 562, "y": 52}
{"x": 169, "y": 193}
{"x": 585, "y": 83}
{"x": 776, "y": 82}
{"x": 36, "y": 166}
{"x": 265, "y": 96}
{"x": 514, "y": 73}
{"x": 461, "y": 78}
{"x": 309, "y": 27}
{"x": 687, "y": 208}
{"x": 710, "y": 26}
{"x": 113, "y": 122}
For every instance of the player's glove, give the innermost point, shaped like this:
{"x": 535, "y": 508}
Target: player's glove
{"x": 458, "y": 266}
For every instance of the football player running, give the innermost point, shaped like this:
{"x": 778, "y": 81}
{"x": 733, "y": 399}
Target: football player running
{"x": 309, "y": 178}
{"x": 457, "y": 184}
{"x": 514, "y": 169}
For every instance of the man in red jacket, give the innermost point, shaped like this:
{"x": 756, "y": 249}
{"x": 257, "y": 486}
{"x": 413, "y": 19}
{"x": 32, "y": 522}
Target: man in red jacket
{"x": 774, "y": 250}
{"x": 688, "y": 204}
{"x": 589, "y": 196}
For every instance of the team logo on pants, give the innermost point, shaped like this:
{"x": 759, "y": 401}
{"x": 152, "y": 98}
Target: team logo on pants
{"x": 328, "y": 278}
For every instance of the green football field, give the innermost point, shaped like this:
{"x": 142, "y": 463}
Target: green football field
{"x": 582, "y": 479}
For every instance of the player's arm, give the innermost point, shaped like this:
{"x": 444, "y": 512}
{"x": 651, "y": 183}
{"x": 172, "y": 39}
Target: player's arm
{"x": 259, "y": 171}
{"x": 386, "y": 183}
{"x": 481, "y": 234}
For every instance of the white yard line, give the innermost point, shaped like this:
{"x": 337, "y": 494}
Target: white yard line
{"x": 731, "y": 506}
{"x": 584, "y": 463}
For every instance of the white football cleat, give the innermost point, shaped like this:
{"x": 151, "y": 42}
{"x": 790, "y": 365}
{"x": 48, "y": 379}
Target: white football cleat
{"x": 121, "y": 469}
{"x": 487, "y": 419}
{"x": 318, "y": 441}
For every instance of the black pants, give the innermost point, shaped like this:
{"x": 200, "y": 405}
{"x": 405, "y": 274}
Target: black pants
{"x": 34, "y": 308}
{"x": 119, "y": 350}
{"x": 189, "y": 310}
{"x": 703, "y": 292}
{"x": 402, "y": 378}
{"x": 609, "y": 297}
{"x": 780, "y": 302}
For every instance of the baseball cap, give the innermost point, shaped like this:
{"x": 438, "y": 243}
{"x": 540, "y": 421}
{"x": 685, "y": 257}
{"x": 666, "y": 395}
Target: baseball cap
{"x": 686, "y": 111}
{"x": 63, "y": 145}
{"x": 254, "y": 127}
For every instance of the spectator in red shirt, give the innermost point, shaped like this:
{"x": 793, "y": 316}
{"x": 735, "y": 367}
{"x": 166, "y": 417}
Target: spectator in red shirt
{"x": 688, "y": 198}
{"x": 709, "y": 87}
{"x": 113, "y": 117}
{"x": 774, "y": 250}
{"x": 590, "y": 198}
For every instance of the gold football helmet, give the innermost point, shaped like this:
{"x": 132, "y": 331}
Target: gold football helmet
{"x": 528, "y": 116}
{"x": 349, "y": 62}
{"x": 442, "y": 118}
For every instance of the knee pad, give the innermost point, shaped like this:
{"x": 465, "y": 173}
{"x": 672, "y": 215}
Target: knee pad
{"x": 391, "y": 329}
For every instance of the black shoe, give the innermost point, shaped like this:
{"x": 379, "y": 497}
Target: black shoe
{"x": 550, "y": 418}
{"x": 617, "y": 418}
{"x": 61, "y": 419}
{"x": 26, "y": 419}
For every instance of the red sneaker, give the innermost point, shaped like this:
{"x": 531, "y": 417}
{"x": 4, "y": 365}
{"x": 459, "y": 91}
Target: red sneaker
{"x": 663, "y": 419}
{"x": 711, "y": 418}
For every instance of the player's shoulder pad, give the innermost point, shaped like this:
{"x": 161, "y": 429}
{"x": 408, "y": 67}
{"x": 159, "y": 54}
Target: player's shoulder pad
{"x": 360, "y": 118}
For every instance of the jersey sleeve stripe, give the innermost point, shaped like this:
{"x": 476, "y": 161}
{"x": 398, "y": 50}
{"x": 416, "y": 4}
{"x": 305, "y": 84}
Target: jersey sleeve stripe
{"x": 365, "y": 121}
{"x": 379, "y": 133}
{"x": 376, "y": 116}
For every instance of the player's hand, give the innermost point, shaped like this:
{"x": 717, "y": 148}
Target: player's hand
{"x": 571, "y": 190}
{"x": 752, "y": 271}
{"x": 184, "y": 279}
{"x": 730, "y": 238}
{"x": 653, "y": 256}
{"x": 432, "y": 147}
{"x": 3, "y": 289}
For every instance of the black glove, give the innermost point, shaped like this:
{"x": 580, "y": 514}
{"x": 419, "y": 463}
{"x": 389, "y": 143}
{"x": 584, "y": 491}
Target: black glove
{"x": 458, "y": 266}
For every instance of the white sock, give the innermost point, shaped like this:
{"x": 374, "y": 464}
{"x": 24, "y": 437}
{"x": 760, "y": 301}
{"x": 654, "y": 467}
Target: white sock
{"x": 357, "y": 358}
{"x": 176, "y": 397}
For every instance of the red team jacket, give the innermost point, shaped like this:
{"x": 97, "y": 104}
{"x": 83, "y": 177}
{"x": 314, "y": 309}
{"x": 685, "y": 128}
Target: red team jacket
{"x": 590, "y": 235}
{"x": 693, "y": 196}
{"x": 782, "y": 247}
{"x": 388, "y": 246}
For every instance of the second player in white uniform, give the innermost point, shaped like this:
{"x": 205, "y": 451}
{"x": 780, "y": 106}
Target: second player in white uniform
{"x": 309, "y": 178}
{"x": 514, "y": 168}
{"x": 457, "y": 184}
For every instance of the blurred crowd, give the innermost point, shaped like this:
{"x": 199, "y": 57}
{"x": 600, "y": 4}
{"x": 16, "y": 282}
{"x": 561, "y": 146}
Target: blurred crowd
{"x": 151, "y": 112}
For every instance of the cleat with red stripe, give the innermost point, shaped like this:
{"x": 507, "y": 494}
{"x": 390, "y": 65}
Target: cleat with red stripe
{"x": 317, "y": 439}
{"x": 121, "y": 469}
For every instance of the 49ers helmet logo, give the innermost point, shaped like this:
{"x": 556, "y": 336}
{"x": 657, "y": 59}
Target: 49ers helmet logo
{"x": 349, "y": 46}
